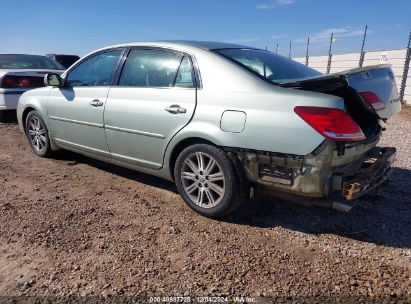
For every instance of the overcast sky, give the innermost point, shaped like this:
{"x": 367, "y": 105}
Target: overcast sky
{"x": 78, "y": 27}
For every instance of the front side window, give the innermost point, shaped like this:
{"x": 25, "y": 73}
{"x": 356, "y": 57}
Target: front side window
{"x": 155, "y": 68}
{"x": 269, "y": 65}
{"x": 95, "y": 71}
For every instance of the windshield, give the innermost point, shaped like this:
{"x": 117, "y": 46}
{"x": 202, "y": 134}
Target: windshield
{"x": 28, "y": 62}
{"x": 273, "y": 67}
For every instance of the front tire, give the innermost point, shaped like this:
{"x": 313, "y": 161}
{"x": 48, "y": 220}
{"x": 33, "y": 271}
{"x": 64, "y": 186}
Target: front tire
{"x": 207, "y": 181}
{"x": 37, "y": 134}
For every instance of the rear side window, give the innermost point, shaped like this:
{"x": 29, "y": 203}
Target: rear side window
{"x": 185, "y": 74}
{"x": 95, "y": 71}
{"x": 156, "y": 68}
{"x": 269, "y": 65}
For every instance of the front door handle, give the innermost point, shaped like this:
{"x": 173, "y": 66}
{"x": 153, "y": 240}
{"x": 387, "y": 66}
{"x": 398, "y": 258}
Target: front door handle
{"x": 175, "y": 109}
{"x": 96, "y": 103}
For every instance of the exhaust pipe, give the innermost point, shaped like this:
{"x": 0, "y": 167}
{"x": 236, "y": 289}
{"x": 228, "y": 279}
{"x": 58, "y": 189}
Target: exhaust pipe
{"x": 342, "y": 206}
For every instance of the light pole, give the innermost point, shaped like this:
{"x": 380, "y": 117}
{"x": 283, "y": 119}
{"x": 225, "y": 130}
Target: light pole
{"x": 332, "y": 40}
{"x": 306, "y": 53}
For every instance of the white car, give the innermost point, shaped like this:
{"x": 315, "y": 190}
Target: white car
{"x": 20, "y": 73}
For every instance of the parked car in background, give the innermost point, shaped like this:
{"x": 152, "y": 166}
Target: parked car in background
{"x": 20, "y": 73}
{"x": 65, "y": 60}
{"x": 221, "y": 120}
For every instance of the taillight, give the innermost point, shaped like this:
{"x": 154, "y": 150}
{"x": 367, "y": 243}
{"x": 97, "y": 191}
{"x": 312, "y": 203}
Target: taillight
{"x": 11, "y": 81}
{"x": 373, "y": 100}
{"x": 24, "y": 82}
{"x": 8, "y": 82}
{"x": 332, "y": 123}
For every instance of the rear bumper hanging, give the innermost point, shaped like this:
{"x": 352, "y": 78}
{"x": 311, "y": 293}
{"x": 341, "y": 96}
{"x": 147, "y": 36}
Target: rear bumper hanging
{"x": 373, "y": 172}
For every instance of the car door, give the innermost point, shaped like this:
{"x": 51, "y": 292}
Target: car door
{"x": 155, "y": 98}
{"x": 76, "y": 110}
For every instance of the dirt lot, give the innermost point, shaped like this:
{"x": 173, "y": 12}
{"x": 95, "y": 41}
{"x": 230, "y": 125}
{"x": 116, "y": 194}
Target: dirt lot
{"x": 73, "y": 226}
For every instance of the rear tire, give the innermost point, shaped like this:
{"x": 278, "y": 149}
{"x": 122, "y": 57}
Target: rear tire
{"x": 207, "y": 181}
{"x": 37, "y": 134}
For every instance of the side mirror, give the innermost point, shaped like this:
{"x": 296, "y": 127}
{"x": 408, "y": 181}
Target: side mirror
{"x": 53, "y": 80}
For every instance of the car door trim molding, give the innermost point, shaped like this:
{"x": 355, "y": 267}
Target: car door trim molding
{"x": 133, "y": 161}
{"x": 149, "y": 134}
{"x": 79, "y": 122}
{"x": 72, "y": 145}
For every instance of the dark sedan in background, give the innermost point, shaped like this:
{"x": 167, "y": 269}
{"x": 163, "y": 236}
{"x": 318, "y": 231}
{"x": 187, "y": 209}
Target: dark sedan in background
{"x": 65, "y": 60}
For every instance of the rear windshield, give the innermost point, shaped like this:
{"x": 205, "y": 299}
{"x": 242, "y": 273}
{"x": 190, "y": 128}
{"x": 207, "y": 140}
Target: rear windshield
{"x": 272, "y": 67}
{"x": 66, "y": 60}
{"x": 28, "y": 62}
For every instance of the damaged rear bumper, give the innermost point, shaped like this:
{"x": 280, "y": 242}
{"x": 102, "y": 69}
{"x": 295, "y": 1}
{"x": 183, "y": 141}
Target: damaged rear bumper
{"x": 374, "y": 171}
{"x": 327, "y": 177}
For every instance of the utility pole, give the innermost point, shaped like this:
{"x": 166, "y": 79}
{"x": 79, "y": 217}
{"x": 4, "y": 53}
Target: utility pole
{"x": 276, "y": 49}
{"x": 330, "y": 54}
{"x": 289, "y": 53}
{"x": 405, "y": 72}
{"x": 306, "y": 53}
{"x": 362, "y": 54}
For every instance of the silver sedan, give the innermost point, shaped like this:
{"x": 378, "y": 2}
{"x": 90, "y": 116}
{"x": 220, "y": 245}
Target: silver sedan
{"x": 220, "y": 120}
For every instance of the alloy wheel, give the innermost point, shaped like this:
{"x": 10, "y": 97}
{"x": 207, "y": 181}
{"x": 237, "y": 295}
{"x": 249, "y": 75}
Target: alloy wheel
{"x": 37, "y": 133}
{"x": 203, "y": 179}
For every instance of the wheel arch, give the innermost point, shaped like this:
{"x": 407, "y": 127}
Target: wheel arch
{"x": 189, "y": 141}
{"x": 180, "y": 146}
{"x": 24, "y": 114}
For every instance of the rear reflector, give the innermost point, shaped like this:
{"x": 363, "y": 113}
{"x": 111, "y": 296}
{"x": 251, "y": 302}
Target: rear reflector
{"x": 332, "y": 123}
{"x": 373, "y": 100}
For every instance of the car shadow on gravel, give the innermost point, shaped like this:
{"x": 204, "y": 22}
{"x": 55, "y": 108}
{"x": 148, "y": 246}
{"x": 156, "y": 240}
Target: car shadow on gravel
{"x": 74, "y": 158}
{"x": 382, "y": 218}
{"x": 9, "y": 117}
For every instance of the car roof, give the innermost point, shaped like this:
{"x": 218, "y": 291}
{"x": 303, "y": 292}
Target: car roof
{"x": 29, "y": 55}
{"x": 210, "y": 45}
{"x": 184, "y": 44}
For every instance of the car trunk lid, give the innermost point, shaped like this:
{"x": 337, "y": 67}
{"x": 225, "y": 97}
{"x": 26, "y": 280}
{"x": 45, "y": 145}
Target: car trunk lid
{"x": 378, "y": 80}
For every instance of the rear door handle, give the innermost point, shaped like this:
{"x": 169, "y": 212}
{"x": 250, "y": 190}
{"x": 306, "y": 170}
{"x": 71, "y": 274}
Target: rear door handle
{"x": 175, "y": 109}
{"x": 96, "y": 103}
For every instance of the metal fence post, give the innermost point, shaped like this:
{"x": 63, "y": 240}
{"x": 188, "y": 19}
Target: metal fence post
{"x": 306, "y": 53}
{"x": 329, "y": 54}
{"x": 362, "y": 54}
{"x": 405, "y": 72}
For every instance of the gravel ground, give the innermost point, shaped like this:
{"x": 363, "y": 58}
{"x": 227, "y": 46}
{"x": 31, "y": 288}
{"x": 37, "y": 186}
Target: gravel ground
{"x": 73, "y": 226}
